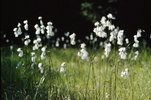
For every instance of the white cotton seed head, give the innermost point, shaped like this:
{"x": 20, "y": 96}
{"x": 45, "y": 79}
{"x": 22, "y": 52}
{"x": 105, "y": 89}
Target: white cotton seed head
{"x": 67, "y": 34}
{"x": 39, "y": 65}
{"x": 101, "y": 34}
{"x": 16, "y": 34}
{"x": 7, "y": 40}
{"x": 19, "y": 49}
{"x": 120, "y": 37}
{"x": 35, "y": 41}
{"x": 38, "y": 39}
{"x": 11, "y": 47}
{"x": 122, "y": 49}
{"x": 26, "y": 27}
{"x": 62, "y": 69}
{"x": 83, "y": 45}
{"x": 72, "y": 35}
{"x": 111, "y": 27}
{"x": 33, "y": 59}
{"x": 26, "y": 43}
{"x": 135, "y": 45}
{"x": 19, "y": 31}
{"x": 15, "y": 29}
{"x": 19, "y": 25}
{"x": 49, "y": 23}
{"x": 107, "y": 95}
{"x": 84, "y": 54}
{"x": 4, "y": 36}
{"x": 63, "y": 64}
{"x": 27, "y": 37}
{"x": 79, "y": 54}
{"x": 108, "y": 23}
{"x": 42, "y": 27}
{"x": 41, "y": 22}
{"x": 113, "y": 34}
{"x": 62, "y": 38}
{"x": 110, "y": 16}
{"x": 96, "y": 23}
{"x": 43, "y": 49}
{"x": 33, "y": 54}
{"x": 122, "y": 53}
{"x": 43, "y": 55}
{"x": 35, "y": 47}
{"x": 139, "y": 33}
{"x": 49, "y": 28}
{"x": 103, "y": 20}
{"x": 91, "y": 36}
{"x": 107, "y": 49}
{"x": 72, "y": 41}
{"x": 126, "y": 69}
{"x": 127, "y": 41}
{"x": 86, "y": 37}
{"x": 20, "y": 54}
{"x": 57, "y": 44}
{"x": 37, "y": 31}
{"x": 136, "y": 39}
{"x": 41, "y": 70}
{"x": 125, "y": 73}
{"x": 36, "y": 26}
{"x": 25, "y": 21}
{"x": 111, "y": 38}
{"x": 136, "y": 53}
{"x": 39, "y": 17}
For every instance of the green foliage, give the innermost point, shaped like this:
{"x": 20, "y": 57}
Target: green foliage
{"x": 95, "y": 79}
{"x": 88, "y": 11}
{"x": 93, "y": 10}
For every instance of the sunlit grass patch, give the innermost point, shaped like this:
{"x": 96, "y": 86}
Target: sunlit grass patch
{"x": 94, "y": 79}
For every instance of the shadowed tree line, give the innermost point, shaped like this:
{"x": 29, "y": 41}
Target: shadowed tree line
{"x": 75, "y": 15}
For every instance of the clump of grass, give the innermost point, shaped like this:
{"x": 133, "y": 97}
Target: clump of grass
{"x": 95, "y": 79}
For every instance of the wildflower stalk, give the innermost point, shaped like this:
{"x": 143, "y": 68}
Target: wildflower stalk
{"x": 87, "y": 82}
{"x": 94, "y": 78}
{"x": 11, "y": 70}
{"x": 40, "y": 82}
{"x": 104, "y": 90}
{"x": 50, "y": 61}
{"x": 99, "y": 91}
{"x": 115, "y": 82}
{"x": 36, "y": 92}
{"x": 110, "y": 90}
{"x": 115, "y": 78}
{"x": 6, "y": 96}
{"x": 49, "y": 94}
{"x": 132, "y": 80}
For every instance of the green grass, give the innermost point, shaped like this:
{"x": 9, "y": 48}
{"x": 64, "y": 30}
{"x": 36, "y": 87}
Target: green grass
{"x": 82, "y": 80}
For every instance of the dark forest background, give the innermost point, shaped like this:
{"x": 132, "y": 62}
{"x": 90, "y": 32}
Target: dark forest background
{"x": 76, "y": 15}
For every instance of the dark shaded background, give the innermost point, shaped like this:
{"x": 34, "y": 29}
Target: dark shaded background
{"x": 66, "y": 15}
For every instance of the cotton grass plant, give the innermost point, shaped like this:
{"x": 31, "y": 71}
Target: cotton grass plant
{"x": 56, "y": 70}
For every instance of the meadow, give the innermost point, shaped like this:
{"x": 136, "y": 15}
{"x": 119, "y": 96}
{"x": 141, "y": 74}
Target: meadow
{"x": 81, "y": 72}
